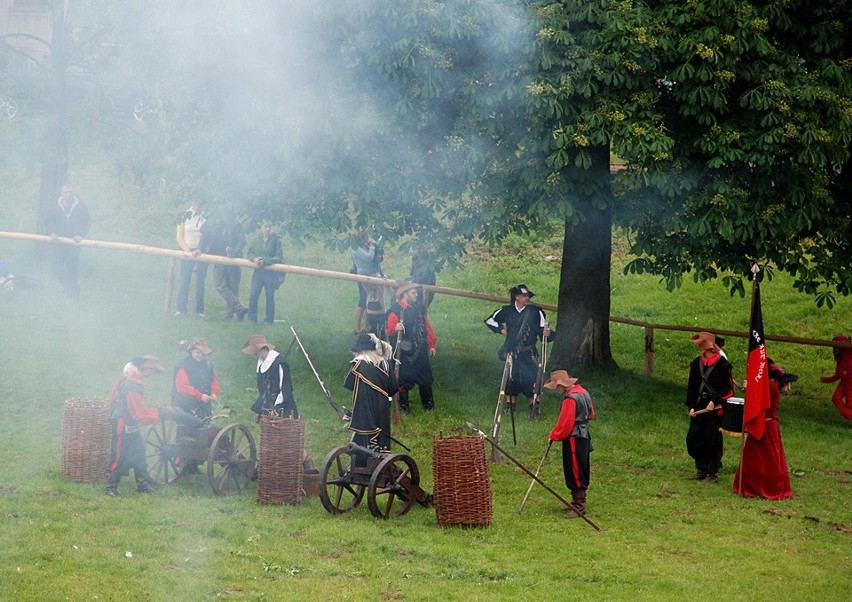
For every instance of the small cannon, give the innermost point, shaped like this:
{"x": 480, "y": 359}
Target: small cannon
{"x": 229, "y": 452}
{"x": 392, "y": 481}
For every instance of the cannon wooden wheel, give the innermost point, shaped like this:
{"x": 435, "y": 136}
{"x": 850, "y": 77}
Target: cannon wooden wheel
{"x": 232, "y": 460}
{"x": 393, "y": 486}
{"x": 160, "y": 454}
{"x": 337, "y": 491}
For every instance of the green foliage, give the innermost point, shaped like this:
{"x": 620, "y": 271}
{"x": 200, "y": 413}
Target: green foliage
{"x": 756, "y": 100}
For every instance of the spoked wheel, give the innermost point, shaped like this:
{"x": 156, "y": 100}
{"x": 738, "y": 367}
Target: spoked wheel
{"x": 232, "y": 460}
{"x": 160, "y": 447}
{"x": 393, "y": 486}
{"x": 337, "y": 492}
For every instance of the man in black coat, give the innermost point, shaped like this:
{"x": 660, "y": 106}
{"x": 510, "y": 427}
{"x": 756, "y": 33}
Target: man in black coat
{"x": 68, "y": 218}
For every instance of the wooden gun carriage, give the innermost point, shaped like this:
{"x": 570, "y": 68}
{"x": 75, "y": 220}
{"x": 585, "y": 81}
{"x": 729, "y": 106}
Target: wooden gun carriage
{"x": 391, "y": 481}
{"x": 229, "y": 452}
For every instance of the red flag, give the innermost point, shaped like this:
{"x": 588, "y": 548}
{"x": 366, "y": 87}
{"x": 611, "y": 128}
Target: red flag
{"x": 757, "y": 373}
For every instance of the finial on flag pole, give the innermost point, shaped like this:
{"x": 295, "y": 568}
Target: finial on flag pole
{"x": 754, "y": 270}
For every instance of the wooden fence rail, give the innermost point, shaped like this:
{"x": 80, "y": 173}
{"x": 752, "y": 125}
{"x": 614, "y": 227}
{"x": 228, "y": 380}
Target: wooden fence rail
{"x": 174, "y": 254}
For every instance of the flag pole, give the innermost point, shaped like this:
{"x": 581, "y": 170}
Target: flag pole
{"x": 754, "y": 271}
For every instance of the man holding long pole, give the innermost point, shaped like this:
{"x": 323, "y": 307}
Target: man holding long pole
{"x": 572, "y": 429}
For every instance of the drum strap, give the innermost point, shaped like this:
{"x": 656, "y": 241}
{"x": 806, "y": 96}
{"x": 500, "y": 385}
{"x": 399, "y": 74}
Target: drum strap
{"x": 705, "y": 375}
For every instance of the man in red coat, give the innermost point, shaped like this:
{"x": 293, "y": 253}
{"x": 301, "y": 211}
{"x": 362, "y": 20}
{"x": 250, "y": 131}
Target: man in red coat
{"x": 572, "y": 429}
{"x": 842, "y": 397}
{"x": 129, "y": 413}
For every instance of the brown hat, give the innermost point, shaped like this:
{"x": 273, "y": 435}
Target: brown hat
{"x": 200, "y": 344}
{"x": 255, "y": 343}
{"x": 705, "y": 341}
{"x": 559, "y": 377}
{"x": 404, "y": 288}
{"x": 149, "y": 362}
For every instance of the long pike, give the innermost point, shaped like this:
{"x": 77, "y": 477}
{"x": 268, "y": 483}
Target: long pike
{"x": 342, "y": 412}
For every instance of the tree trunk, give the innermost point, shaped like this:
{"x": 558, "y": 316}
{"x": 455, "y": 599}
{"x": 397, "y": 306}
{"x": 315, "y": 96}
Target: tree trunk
{"x": 54, "y": 166}
{"x": 582, "y": 333}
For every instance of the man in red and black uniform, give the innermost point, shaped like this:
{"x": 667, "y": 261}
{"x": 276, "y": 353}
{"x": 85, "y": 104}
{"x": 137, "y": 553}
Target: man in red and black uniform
{"x": 710, "y": 383}
{"x": 572, "y": 429}
{"x": 195, "y": 387}
{"x": 417, "y": 345}
{"x": 129, "y": 413}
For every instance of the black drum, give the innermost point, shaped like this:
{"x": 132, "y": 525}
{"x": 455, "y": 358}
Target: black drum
{"x": 732, "y": 416}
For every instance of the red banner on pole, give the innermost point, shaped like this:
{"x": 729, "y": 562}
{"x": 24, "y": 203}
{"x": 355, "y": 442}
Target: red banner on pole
{"x": 757, "y": 372}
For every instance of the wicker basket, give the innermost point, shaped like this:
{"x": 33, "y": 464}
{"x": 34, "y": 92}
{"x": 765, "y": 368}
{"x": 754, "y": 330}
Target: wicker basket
{"x": 282, "y": 445}
{"x": 462, "y": 481}
{"x": 86, "y": 437}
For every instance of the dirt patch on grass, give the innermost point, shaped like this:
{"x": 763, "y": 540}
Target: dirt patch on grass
{"x": 8, "y": 490}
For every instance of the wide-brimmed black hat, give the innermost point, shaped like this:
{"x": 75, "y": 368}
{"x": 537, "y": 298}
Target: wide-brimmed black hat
{"x": 521, "y": 289}
{"x": 364, "y": 342}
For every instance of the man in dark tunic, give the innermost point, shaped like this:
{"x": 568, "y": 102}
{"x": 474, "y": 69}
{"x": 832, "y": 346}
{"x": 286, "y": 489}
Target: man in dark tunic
{"x": 710, "y": 383}
{"x": 411, "y": 331}
{"x": 522, "y": 323}
{"x": 274, "y": 387}
{"x": 68, "y": 218}
{"x": 372, "y": 383}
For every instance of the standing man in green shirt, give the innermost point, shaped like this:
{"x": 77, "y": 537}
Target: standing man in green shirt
{"x": 264, "y": 251}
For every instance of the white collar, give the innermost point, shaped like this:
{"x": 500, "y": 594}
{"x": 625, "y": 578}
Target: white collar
{"x": 263, "y": 365}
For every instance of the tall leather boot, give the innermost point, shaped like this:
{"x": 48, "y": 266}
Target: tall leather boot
{"x": 427, "y": 399}
{"x": 578, "y": 500}
{"x": 112, "y": 484}
{"x": 403, "y": 402}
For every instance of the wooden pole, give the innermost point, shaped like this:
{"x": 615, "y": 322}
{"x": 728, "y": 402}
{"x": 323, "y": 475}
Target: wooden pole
{"x": 649, "y": 350}
{"x": 282, "y": 267}
{"x": 170, "y": 282}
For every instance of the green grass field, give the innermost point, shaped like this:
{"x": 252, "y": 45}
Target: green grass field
{"x": 663, "y": 537}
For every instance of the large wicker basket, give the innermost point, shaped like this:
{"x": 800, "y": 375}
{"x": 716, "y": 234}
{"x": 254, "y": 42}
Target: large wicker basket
{"x": 85, "y": 440}
{"x": 462, "y": 481}
{"x": 282, "y": 445}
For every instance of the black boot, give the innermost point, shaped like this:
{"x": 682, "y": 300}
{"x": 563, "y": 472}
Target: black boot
{"x": 427, "y": 399}
{"x": 403, "y": 402}
{"x": 112, "y": 484}
{"x": 143, "y": 484}
{"x": 578, "y": 501}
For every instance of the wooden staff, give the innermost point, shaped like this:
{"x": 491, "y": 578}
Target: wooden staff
{"x": 170, "y": 283}
{"x": 537, "y": 470}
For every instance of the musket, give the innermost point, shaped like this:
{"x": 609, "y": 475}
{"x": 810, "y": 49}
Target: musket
{"x": 571, "y": 506}
{"x": 498, "y": 413}
{"x": 535, "y": 410}
{"x": 396, "y": 416}
{"x": 537, "y": 470}
{"x": 342, "y": 412}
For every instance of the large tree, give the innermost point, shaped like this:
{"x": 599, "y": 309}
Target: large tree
{"x": 731, "y": 119}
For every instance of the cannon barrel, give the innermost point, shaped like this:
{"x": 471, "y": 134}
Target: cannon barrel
{"x": 361, "y": 451}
